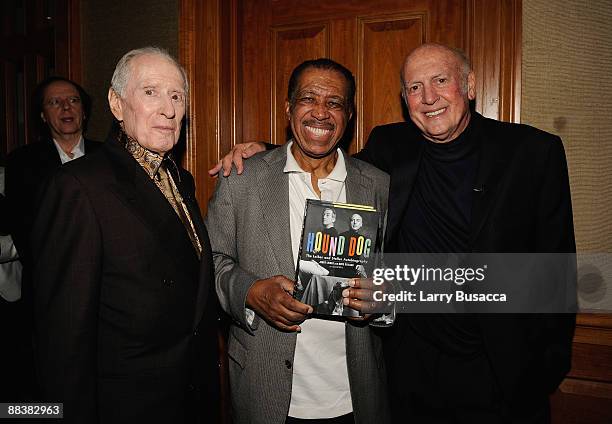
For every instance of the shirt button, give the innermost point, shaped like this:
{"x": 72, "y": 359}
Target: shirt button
{"x": 288, "y": 364}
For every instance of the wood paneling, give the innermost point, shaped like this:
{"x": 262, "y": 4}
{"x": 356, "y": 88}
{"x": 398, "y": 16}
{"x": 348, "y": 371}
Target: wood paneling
{"x": 569, "y": 408}
{"x": 240, "y": 53}
{"x": 369, "y": 37}
{"x": 585, "y": 396}
{"x": 200, "y": 53}
{"x": 494, "y": 47}
{"x": 291, "y": 46}
{"x": 383, "y": 43}
{"x": 39, "y": 38}
{"x": 255, "y": 48}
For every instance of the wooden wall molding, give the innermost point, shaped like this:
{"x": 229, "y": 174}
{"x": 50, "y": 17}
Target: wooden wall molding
{"x": 212, "y": 49}
{"x": 493, "y": 43}
{"x": 394, "y": 35}
{"x": 201, "y": 42}
{"x": 292, "y": 44}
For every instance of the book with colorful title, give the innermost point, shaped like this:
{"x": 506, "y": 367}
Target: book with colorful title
{"x": 339, "y": 242}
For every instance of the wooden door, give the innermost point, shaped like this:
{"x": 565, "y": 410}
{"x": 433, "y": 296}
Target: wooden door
{"x": 370, "y": 37}
{"x": 239, "y": 54}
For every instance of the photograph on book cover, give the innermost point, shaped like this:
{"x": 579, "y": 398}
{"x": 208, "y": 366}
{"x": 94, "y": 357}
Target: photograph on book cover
{"x": 338, "y": 243}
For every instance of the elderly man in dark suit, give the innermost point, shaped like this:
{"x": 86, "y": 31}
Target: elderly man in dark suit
{"x": 329, "y": 371}
{"x": 464, "y": 183}
{"x": 125, "y": 313}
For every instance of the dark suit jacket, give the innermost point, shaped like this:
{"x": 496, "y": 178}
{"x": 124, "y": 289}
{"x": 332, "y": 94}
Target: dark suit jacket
{"x": 28, "y": 169}
{"x": 523, "y": 205}
{"x": 125, "y": 328}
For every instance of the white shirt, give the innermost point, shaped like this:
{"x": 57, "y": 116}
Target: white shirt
{"x": 77, "y": 151}
{"x": 320, "y": 386}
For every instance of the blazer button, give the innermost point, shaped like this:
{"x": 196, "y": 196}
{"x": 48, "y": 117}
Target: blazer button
{"x": 288, "y": 364}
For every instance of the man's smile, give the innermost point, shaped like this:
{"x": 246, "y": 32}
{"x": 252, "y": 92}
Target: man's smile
{"x": 435, "y": 112}
{"x": 318, "y": 131}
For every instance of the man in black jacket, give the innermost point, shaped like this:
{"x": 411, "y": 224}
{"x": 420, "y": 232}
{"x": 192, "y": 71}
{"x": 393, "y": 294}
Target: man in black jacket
{"x": 61, "y": 108}
{"x": 125, "y": 310}
{"x": 464, "y": 183}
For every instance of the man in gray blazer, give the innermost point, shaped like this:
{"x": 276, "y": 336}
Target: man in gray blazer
{"x": 286, "y": 367}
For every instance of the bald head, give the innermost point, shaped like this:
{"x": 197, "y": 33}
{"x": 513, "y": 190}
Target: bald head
{"x": 461, "y": 60}
{"x": 437, "y": 85}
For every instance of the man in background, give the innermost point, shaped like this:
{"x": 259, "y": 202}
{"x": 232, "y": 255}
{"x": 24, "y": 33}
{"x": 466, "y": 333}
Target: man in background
{"x": 61, "y": 108}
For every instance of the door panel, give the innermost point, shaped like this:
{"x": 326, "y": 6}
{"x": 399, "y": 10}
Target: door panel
{"x": 239, "y": 54}
{"x": 384, "y": 42}
{"x": 291, "y": 46}
{"x": 370, "y": 37}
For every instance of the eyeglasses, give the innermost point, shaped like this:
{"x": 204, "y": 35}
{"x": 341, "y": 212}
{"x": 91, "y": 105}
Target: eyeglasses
{"x": 59, "y": 102}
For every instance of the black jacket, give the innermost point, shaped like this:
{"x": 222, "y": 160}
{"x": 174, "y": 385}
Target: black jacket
{"x": 522, "y": 204}
{"x": 125, "y": 312}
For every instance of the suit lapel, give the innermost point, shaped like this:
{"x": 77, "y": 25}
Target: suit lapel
{"x": 403, "y": 177}
{"x": 48, "y": 157}
{"x": 492, "y": 165}
{"x": 358, "y": 189}
{"x": 273, "y": 186}
{"x": 136, "y": 190}
{"x": 206, "y": 278}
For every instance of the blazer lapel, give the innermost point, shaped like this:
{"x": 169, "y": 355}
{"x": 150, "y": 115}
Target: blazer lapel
{"x": 493, "y": 163}
{"x": 357, "y": 186}
{"x": 137, "y": 191}
{"x": 273, "y": 186}
{"x": 206, "y": 276}
{"x": 48, "y": 157}
{"x": 403, "y": 176}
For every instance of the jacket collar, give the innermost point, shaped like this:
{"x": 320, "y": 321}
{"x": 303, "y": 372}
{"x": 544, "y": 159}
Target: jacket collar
{"x": 493, "y": 163}
{"x": 273, "y": 185}
{"x": 139, "y": 193}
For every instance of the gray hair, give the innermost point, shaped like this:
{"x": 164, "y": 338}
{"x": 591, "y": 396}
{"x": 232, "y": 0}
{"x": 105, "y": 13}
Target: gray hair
{"x": 123, "y": 68}
{"x": 464, "y": 63}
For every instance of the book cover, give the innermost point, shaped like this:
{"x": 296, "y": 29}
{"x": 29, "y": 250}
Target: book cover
{"x": 339, "y": 242}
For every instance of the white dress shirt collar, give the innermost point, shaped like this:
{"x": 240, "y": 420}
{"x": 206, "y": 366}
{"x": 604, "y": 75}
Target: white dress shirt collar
{"x": 77, "y": 151}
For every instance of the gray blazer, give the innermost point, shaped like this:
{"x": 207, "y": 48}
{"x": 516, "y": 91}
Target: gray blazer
{"x": 248, "y": 222}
